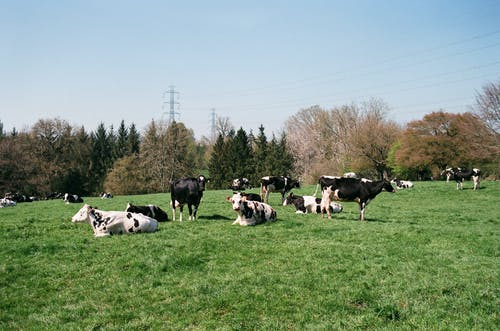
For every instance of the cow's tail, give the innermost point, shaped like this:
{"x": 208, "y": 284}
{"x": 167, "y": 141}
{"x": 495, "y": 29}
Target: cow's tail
{"x": 316, "y": 190}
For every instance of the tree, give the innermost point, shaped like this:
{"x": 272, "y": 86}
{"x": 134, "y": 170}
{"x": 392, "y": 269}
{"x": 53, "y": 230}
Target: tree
{"x": 133, "y": 140}
{"x": 217, "y": 163}
{"x": 487, "y": 106}
{"x": 126, "y": 177}
{"x": 443, "y": 139}
{"x": 121, "y": 141}
{"x": 260, "y": 153}
{"x": 241, "y": 164}
{"x": 373, "y": 139}
{"x": 102, "y": 157}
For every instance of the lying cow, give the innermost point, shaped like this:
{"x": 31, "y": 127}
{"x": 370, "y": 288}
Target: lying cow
{"x": 402, "y": 184}
{"x": 72, "y": 198}
{"x": 4, "y": 202}
{"x": 149, "y": 210}
{"x": 106, "y": 223}
{"x": 240, "y": 184}
{"x": 352, "y": 189}
{"x": 308, "y": 204}
{"x": 251, "y": 212}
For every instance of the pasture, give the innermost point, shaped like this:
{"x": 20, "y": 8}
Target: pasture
{"x": 426, "y": 258}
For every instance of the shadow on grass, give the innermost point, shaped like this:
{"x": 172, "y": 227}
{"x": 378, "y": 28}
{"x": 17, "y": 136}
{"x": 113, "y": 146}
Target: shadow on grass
{"x": 215, "y": 217}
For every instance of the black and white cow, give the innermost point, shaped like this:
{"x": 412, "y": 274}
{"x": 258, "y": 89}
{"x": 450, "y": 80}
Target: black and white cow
{"x": 402, "y": 184}
{"x": 281, "y": 184}
{"x": 324, "y": 181}
{"x": 187, "y": 190}
{"x": 106, "y": 223}
{"x": 249, "y": 196}
{"x": 251, "y": 212}
{"x": 308, "y": 204}
{"x": 106, "y": 195}
{"x": 240, "y": 184}
{"x": 5, "y": 202}
{"x": 149, "y": 210}
{"x": 448, "y": 172}
{"x": 352, "y": 189}
{"x": 459, "y": 174}
{"x": 72, "y": 198}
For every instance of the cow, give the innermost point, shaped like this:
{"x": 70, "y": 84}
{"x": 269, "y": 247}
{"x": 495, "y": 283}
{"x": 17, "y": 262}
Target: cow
{"x": 107, "y": 223}
{"x": 18, "y": 198}
{"x": 106, "y": 195}
{"x": 249, "y": 196}
{"x": 352, "y": 189}
{"x": 402, "y": 184}
{"x": 5, "y": 202}
{"x": 187, "y": 190}
{"x": 251, "y": 212}
{"x": 149, "y": 210}
{"x": 240, "y": 184}
{"x": 279, "y": 184}
{"x": 459, "y": 174}
{"x": 350, "y": 175}
{"x": 324, "y": 181}
{"x": 308, "y": 204}
{"x": 448, "y": 172}
{"x": 72, "y": 198}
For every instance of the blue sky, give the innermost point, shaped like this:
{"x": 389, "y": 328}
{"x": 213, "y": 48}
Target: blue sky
{"x": 255, "y": 62}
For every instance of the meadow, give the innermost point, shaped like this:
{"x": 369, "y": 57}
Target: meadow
{"x": 427, "y": 258}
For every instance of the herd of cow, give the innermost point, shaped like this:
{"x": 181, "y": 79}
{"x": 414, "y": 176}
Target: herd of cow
{"x": 251, "y": 208}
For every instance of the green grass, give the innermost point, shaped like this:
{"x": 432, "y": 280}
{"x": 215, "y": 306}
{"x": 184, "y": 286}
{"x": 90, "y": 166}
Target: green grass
{"x": 427, "y": 258}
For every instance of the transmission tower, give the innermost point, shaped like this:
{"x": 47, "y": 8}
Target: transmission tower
{"x": 213, "y": 116}
{"x": 169, "y": 98}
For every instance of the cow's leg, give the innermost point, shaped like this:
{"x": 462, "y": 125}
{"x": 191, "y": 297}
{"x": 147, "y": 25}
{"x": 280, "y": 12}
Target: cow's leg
{"x": 362, "y": 206}
{"x": 190, "y": 208}
{"x": 173, "y": 209}
{"x": 195, "y": 213}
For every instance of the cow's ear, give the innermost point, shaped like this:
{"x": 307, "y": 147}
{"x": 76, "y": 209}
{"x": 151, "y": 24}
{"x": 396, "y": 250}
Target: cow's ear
{"x": 228, "y": 198}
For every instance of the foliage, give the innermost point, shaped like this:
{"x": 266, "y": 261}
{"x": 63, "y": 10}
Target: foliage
{"x": 443, "y": 139}
{"x": 418, "y": 263}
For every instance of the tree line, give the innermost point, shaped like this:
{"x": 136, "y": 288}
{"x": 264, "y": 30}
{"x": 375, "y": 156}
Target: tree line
{"x": 53, "y": 156}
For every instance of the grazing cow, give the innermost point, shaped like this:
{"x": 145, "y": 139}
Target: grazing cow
{"x": 279, "y": 184}
{"x": 4, "y": 202}
{"x": 401, "y": 184}
{"x": 72, "y": 198}
{"x": 352, "y": 189}
{"x": 308, "y": 204}
{"x": 240, "y": 184}
{"x": 106, "y": 223}
{"x": 462, "y": 173}
{"x": 149, "y": 210}
{"x": 187, "y": 190}
{"x": 251, "y": 212}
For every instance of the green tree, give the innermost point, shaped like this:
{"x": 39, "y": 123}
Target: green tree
{"x": 121, "y": 141}
{"x": 260, "y": 152}
{"x": 217, "y": 163}
{"x": 240, "y": 158}
{"x": 101, "y": 158}
{"x": 133, "y": 140}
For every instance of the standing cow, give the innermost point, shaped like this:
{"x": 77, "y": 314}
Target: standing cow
{"x": 352, "y": 189}
{"x": 281, "y": 184}
{"x": 187, "y": 190}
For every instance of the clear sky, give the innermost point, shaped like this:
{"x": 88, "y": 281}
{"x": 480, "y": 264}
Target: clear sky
{"x": 255, "y": 62}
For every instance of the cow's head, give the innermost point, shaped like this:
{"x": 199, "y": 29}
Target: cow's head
{"x": 202, "y": 180}
{"x": 82, "y": 215}
{"x": 289, "y": 199}
{"x": 236, "y": 201}
{"x": 388, "y": 187}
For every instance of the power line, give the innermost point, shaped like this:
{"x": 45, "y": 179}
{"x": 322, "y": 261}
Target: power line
{"x": 169, "y": 97}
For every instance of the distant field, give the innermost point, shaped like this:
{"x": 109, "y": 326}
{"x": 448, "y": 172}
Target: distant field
{"x": 427, "y": 258}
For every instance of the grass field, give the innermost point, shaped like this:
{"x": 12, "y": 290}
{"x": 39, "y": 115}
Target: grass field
{"x": 427, "y": 258}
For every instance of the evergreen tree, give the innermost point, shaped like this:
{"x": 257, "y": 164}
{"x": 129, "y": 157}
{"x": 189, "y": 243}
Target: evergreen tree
{"x": 216, "y": 163}
{"x": 260, "y": 156}
{"x": 101, "y": 158}
{"x": 121, "y": 141}
{"x": 241, "y": 155}
{"x": 133, "y": 140}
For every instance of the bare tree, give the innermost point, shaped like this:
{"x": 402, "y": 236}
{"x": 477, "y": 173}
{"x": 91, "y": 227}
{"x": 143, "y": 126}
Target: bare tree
{"x": 488, "y": 106}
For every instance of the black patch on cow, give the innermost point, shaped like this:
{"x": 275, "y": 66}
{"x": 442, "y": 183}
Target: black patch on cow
{"x": 136, "y": 223}
{"x": 247, "y": 211}
{"x": 129, "y": 215}
{"x": 131, "y": 230}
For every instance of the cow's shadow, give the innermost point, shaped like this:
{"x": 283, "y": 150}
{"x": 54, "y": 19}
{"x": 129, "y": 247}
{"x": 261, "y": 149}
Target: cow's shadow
{"x": 215, "y": 217}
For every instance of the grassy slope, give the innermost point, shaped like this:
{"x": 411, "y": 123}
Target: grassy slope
{"x": 428, "y": 258}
